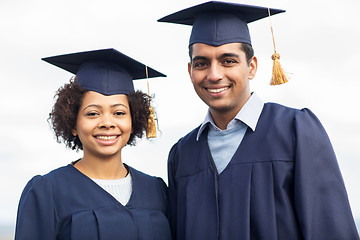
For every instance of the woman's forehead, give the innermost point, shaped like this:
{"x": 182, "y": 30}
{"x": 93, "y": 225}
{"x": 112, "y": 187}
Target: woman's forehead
{"x": 92, "y": 97}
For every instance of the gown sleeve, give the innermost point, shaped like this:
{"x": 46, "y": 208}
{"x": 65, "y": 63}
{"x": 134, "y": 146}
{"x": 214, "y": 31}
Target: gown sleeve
{"x": 164, "y": 194}
{"x": 321, "y": 200}
{"x": 36, "y": 216}
{"x": 172, "y": 196}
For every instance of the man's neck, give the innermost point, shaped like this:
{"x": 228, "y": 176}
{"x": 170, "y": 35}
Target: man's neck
{"x": 222, "y": 119}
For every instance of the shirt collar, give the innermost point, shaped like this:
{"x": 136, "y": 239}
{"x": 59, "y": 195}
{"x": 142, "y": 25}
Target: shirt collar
{"x": 249, "y": 114}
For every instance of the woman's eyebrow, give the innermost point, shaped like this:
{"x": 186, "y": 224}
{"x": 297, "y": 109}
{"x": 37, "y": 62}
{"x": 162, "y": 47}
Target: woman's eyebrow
{"x": 119, "y": 104}
{"x": 93, "y": 105}
{"x": 99, "y": 106}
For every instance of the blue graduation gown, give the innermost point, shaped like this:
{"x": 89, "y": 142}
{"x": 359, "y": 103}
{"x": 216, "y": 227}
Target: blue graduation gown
{"x": 66, "y": 204}
{"x": 283, "y": 182}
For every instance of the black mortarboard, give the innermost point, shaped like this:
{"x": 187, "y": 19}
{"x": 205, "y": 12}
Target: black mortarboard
{"x": 106, "y": 71}
{"x": 217, "y": 23}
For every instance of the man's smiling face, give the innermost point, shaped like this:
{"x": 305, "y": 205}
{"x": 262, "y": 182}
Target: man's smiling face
{"x": 221, "y": 75}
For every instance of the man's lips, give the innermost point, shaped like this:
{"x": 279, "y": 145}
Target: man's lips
{"x": 217, "y": 90}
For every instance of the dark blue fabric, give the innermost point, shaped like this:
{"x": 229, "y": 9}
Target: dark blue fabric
{"x": 283, "y": 182}
{"x": 105, "y": 77}
{"x": 106, "y": 71}
{"x": 216, "y": 29}
{"x": 216, "y": 23}
{"x": 65, "y": 204}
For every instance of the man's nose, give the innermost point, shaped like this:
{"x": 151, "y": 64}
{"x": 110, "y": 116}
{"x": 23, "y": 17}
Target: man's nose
{"x": 215, "y": 72}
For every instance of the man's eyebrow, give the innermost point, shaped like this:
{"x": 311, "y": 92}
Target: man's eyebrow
{"x": 197, "y": 58}
{"x": 224, "y": 55}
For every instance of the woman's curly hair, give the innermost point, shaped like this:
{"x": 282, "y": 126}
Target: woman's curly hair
{"x": 68, "y": 101}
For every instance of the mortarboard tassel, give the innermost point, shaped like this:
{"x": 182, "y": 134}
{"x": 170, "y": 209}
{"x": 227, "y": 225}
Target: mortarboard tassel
{"x": 278, "y": 75}
{"x": 151, "y": 128}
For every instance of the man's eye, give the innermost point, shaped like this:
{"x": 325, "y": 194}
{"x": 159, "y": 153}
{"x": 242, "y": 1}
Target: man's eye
{"x": 229, "y": 61}
{"x": 199, "y": 64}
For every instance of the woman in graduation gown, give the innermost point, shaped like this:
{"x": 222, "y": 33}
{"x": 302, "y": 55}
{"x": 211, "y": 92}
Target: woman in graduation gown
{"x": 97, "y": 196}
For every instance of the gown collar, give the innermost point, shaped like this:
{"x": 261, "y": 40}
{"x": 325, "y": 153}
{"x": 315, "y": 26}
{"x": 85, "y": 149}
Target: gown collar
{"x": 249, "y": 114}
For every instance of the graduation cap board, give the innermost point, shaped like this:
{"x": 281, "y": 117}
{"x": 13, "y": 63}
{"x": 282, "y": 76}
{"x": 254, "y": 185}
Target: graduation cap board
{"x": 217, "y": 23}
{"x": 106, "y": 71}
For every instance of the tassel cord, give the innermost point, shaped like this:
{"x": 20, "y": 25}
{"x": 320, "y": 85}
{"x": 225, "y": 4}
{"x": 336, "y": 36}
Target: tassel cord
{"x": 151, "y": 128}
{"x": 278, "y": 75}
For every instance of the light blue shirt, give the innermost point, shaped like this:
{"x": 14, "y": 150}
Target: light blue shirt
{"x": 224, "y": 143}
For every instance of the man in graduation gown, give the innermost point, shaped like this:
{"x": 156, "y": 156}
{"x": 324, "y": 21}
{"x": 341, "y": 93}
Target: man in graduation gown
{"x": 251, "y": 170}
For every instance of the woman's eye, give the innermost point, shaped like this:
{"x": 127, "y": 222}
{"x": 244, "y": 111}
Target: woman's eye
{"x": 91, "y": 114}
{"x": 119, "y": 113}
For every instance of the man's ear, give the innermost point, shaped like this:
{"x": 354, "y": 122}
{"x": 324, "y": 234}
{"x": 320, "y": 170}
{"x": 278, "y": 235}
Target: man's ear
{"x": 189, "y": 69}
{"x": 253, "y": 67}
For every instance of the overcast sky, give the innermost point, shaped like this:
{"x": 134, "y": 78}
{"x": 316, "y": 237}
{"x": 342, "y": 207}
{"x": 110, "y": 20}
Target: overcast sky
{"x": 317, "y": 40}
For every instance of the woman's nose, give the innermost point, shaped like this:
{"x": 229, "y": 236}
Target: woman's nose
{"x": 106, "y": 122}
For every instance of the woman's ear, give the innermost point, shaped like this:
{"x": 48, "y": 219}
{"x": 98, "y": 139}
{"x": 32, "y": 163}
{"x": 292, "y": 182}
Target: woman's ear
{"x": 74, "y": 132}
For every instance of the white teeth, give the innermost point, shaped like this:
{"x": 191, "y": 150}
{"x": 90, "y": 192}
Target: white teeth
{"x": 106, "y": 138}
{"x": 217, "y": 90}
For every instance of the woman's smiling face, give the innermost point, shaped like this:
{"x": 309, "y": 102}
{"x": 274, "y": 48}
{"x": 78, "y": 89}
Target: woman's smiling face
{"x": 103, "y": 124}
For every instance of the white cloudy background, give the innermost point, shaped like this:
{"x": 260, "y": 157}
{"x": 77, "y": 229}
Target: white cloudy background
{"x": 318, "y": 42}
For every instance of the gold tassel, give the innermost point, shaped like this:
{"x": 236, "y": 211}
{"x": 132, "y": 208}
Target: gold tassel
{"x": 151, "y": 127}
{"x": 278, "y": 75}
